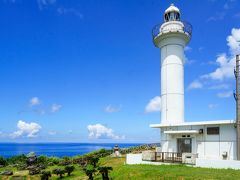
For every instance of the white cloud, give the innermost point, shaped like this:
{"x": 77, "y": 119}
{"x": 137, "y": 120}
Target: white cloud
{"x": 219, "y": 86}
{"x": 34, "y": 101}
{"x": 195, "y": 85}
{"x": 225, "y": 69}
{"x": 226, "y": 63}
{"x": 188, "y": 61}
{"x": 111, "y": 109}
{"x": 225, "y": 94}
{"x": 70, "y": 11}
{"x": 55, "y": 108}
{"x": 44, "y": 3}
{"x": 98, "y": 131}
{"x": 234, "y": 41}
{"x": 201, "y": 48}
{"x": 212, "y": 106}
{"x": 229, "y": 4}
{"x": 187, "y": 48}
{"x": 154, "y": 105}
{"x": 26, "y": 129}
{"x": 218, "y": 16}
{"x": 52, "y": 133}
{"x": 237, "y": 15}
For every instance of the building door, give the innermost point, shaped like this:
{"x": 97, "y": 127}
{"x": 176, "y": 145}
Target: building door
{"x": 184, "y": 145}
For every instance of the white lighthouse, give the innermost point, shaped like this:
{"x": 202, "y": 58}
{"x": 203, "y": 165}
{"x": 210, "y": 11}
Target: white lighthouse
{"x": 203, "y": 143}
{"x": 171, "y": 37}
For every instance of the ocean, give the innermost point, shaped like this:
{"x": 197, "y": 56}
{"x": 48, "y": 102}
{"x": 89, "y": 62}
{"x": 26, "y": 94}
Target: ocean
{"x": 55, "y": 149}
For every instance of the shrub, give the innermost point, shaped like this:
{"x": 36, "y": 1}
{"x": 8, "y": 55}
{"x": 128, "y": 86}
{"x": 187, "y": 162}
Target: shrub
{"x": 53, "y": 160}
{"x": 45, "y": 175}
{"x": 93, "y": 160}
{"x": 42, "y": 160}
{"x": 69, "y": 169}
{"x": 59, "y": 172}
{"x": 3, "y": 161}
{"x": 21, "y": 166}
{"x": 89, "y": 171}
{"x": 34, "y": 170}
{"x": 20, "y": 159}
{"x": 104, "y": 170}
{"x": 79, "y": 160}
{"x": 65, "y": 161}
{"x": 7, "y": 173}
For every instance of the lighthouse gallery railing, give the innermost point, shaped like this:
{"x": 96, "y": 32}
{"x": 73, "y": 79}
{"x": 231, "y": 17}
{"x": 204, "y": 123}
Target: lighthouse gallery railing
{"x": 187, "y": 28}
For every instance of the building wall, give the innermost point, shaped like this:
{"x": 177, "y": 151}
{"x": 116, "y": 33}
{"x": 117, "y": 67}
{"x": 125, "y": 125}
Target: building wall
{"x": 206, "y": 146}
{"x": 208, "y": 163}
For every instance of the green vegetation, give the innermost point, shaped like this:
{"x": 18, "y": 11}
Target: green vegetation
{"x": 89, "y": 171}
{"x": 104, "y": 170}
{"x": 69, "y": 169}
{"x": 152, "y": 172}
{"x": 99, "y": 165}
{"x": 59, "y": 172}
{"x": 45, "y": 175}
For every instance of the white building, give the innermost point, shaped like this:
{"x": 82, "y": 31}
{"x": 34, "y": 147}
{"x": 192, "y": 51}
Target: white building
{"x": 207, "y": 139}
{"x": 205, "y": 143}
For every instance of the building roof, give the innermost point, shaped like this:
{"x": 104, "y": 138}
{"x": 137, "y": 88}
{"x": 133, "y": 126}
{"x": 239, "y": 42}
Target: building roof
{"x": 172, "y": 8}
{"x": 182, "y": 132}
{"x": 199, "y": 123}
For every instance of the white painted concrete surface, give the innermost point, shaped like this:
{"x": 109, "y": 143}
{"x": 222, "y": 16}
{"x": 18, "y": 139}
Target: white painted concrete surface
{"x": 213, "y": 163}
{"x": 172, "y": 40}
{"x": 137, "y": 159}
{"x": 205, "y": 163}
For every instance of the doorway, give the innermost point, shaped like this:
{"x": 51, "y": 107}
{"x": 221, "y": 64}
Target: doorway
{"x": 184, "y": 145}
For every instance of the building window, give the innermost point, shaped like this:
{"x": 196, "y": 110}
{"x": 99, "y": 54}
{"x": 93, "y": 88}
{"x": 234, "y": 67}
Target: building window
{"x": 213, "y": 130}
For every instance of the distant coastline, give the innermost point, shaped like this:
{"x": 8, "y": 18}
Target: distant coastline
{"x": 58, "y": 149}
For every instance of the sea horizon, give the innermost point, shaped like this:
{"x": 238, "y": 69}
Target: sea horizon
{"x": 57, "y": 149}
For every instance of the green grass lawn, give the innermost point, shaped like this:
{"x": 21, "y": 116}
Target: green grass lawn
{"x": 139, "y": 172}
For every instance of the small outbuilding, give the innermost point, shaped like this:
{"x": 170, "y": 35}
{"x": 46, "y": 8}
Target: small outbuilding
{"x": 207, "y": 139}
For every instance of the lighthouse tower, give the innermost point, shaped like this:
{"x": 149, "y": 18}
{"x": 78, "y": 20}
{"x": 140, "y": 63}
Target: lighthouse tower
{"x": 171, "y": 37}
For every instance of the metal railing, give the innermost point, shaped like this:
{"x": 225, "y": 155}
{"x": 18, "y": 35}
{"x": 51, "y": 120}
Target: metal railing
{"x": 187, "y": 28}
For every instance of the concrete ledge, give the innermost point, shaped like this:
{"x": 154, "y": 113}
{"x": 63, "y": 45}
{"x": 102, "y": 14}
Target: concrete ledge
{"x": 212, "y": 163}
{"x": 137, "y": 159}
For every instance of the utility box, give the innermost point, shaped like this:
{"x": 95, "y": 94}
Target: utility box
{"x": 189, "y": 158}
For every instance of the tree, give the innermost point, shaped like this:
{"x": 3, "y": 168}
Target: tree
{"x": 59, "y": 172}
{"x": 3, "y": 161}
{"x": 42, "y": 160}
{"x": 93, "y": 160}
{"x": 69, "y": 169}
{"x": 46, "y": 175}
{"x": 104, "y": 170}
{"x": 89, "y": 171}
{"x": 20, "y": 159}
{"x": 33, "y": 170}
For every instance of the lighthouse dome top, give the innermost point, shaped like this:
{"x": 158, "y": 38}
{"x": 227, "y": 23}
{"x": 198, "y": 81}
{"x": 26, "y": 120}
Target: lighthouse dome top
{"x": 172, "y": 14}
{"x": 172, "y": 8}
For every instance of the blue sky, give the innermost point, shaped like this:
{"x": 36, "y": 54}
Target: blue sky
{"x": 86, "y": 71}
